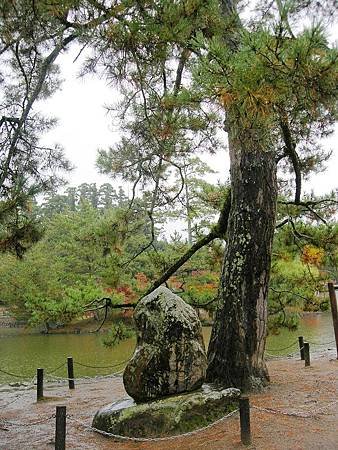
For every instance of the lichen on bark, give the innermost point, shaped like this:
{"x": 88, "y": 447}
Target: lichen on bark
{"x": 236, "y": 349}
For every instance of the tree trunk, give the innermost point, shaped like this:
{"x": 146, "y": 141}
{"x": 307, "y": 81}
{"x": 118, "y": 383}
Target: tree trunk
{"x": 236, "y": 349}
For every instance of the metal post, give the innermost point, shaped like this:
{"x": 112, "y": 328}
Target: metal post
{"x": 307, "y": 354}
{"x": 301, "y": 347}
{"x": 70, "y": 367}
{"x": 39, "y": 384}
{"x": 60, "y": 428}
{"x": 244, "y": 411}
{"x": 333, "y": 301}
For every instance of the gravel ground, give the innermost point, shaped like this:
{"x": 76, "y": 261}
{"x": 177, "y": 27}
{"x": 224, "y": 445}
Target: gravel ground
{"x": 299, "y": 391}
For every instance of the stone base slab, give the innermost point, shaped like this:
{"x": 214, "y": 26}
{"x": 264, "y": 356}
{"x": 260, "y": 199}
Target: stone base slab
{"x": 167, "y": 416}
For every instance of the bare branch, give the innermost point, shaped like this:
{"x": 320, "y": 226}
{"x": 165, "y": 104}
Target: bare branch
{"x": 145, "y": 247}
{"x": 316, "y": 214}
{"x": 203, "y": 305}
{"x": 11, "y": 120}
{"x": 218, "y": 231}
{"x": 134, "y": 191}
{"x": 183, "y": 259}
{"x": 310, "y": 202}
{"x": 182, "y": 61}
{"x": 297, "y": 233}
{"x": 290, "y": 150}
{"x": 281, "y": 224}
{"x": 45, "y": 66}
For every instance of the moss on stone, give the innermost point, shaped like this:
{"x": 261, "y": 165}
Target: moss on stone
{"x": 168, "y": 416}
{"x": 170, "y": 356}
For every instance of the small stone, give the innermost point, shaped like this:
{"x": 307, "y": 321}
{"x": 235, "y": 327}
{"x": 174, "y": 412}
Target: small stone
{"x": 169, "y": 357}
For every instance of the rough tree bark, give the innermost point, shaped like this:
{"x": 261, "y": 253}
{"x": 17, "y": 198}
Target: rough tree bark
{"x": 236, "y": 349}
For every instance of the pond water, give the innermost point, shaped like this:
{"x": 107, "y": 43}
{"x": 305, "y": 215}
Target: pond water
{"x": 21, "y": 354}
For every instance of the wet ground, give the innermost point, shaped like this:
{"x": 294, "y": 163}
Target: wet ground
{"x": 308, "y": 396}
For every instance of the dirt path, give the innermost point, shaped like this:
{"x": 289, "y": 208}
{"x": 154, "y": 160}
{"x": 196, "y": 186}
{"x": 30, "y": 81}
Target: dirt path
{"x": 293, "y": 388}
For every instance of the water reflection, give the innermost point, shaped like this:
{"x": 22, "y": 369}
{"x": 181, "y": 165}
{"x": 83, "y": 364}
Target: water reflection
{"x": 21, "y": 354}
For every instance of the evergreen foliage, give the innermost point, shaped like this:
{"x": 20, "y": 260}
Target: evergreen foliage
{"x": 82, "y": 255}
{"x": 184, "y": 69}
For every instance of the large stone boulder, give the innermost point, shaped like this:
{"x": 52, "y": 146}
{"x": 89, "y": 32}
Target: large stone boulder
{"x": 168, "y": 416}
{"x": 170, "y": 356}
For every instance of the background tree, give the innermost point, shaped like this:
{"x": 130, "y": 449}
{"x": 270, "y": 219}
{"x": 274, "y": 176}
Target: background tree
{"x": 195, "y": 198}
{"x": 75, "y": 261}
{"x": 32, "y": 36}
{"x": 30, "y": 42}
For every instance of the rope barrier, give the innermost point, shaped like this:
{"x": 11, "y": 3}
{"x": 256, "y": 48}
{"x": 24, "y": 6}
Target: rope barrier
{"x": 83, "y": 380}
{"x": 13, "y": 374}
{"x": 29, "y": 376}
{"x": 295, "y": 342}
{"x": 57, "y": 368}
{"x": 62, "y": 365}
{"x": 299, "y": 414}
{"x": 323, "y": 408}
{"x": 29, "y": 424}
{"x": 321, "y": 343}
{"x": 58, "y": 379}
{"x": 303, "y": 415}
{"x": 288, "y": 355}
{"x": 158, "y": 439}
{"x": 101, "y": 367}
{"x": 281, "y": 349}
{"x": 31, "y": 384}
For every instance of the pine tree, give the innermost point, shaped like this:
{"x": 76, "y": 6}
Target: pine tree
{"x": 186, "y": 66}
{"x": 278, "y": 90}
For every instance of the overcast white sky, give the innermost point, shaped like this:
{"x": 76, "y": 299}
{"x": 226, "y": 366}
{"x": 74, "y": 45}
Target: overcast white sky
{"x": 84, "y": 126}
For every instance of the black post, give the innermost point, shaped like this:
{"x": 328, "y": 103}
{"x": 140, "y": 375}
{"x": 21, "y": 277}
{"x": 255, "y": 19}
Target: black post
{"x": 39, "y": 384}
{"x": 334, "y": 312}
{"x": 60, "y": 428}
{"x": 307, "y": 354}
{"x": 244, "y": 412}
{"x": 301, "y": 347}
{"x": 70, "y": 367}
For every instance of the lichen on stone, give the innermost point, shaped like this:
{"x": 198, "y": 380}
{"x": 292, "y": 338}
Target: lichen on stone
{"x": 168, "y": 416}
{"x": 169, "y": 357}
